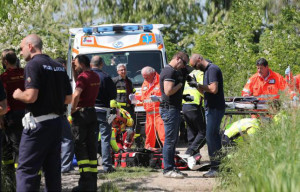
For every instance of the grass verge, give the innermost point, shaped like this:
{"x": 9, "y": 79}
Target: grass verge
{"x": 267, "y": 161}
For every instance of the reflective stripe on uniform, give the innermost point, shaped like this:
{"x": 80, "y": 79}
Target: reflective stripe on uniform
{"x": 88, "y": 169}
{"x": 124, "y": 104}
{"x": 11, "y": 161}
{"x": 121, "y": 91}
{"x": 247, "y": 91}
{"x": 82, "y": 162}
{"x": 152, "y": 112}
{"x": 93, "y": 162}
{"x": 267, "y": 96}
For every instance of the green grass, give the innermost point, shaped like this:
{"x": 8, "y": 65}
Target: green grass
{"x": 268, "y": 161}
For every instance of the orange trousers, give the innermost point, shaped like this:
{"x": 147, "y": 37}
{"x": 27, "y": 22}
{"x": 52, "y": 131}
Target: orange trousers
{"x": 154, "y": 123}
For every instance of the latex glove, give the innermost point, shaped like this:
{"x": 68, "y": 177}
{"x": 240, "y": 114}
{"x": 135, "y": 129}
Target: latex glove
{"x": 287, "y": 70}
{"x": 154, "y": 98}
{"x": 132, "y": 98}
{"x": 193, "y": 83}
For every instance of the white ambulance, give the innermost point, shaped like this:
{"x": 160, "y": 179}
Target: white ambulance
{"x": 137, "y": 45}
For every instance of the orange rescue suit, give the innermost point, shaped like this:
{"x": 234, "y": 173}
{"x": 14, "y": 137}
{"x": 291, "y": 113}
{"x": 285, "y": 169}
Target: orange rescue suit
{"x": 153, "y": 118}
{"x": 265, "y": 88}
{"x": 297, "y": 82}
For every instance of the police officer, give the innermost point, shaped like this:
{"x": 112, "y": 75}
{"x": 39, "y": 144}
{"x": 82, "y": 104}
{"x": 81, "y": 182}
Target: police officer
{"x": 3, "y": 109}
{"x": 194, "y": 115}
{"x": 12, "y": 78}
{"x": 107, "y": 92}
{"x": 47, "y": 89}
{"x": 85, "y": 122}
{"x": 124, "y": 89}
{"x": 67, "y": 144}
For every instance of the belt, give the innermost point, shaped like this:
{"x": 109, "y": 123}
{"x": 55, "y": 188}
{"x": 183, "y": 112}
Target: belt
{"x": 103, "y": 109}
{"x": 45, "y": 117}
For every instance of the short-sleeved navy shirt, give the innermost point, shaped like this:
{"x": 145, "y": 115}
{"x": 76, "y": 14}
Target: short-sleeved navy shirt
{"x": 2, "y": 92}
{"x": 52, "y": 81}
{"x": 212, "y": 74}
{"x": 107, "y": 90}
{"x": 170, "y": 74}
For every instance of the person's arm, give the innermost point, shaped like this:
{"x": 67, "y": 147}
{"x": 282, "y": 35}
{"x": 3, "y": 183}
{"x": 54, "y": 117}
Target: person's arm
{"x": 75, "y": 74}
{"x": 68, "y": 99}
{"x": 28, "y": 96}
{"x": 75, "y": 99}
{"x": 211, "y": 88}
{"x": 170, "y": 89}
{"x": 3, "y": 107}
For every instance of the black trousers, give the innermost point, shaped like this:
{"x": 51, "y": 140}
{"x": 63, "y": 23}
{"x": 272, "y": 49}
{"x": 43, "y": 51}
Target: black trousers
{"x": 194, "y": 116}
{"x": 84, "y": 133}
{"x": 12, "y": 135}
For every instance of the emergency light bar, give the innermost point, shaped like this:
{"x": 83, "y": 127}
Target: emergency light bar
{"x": 117, "y": 28}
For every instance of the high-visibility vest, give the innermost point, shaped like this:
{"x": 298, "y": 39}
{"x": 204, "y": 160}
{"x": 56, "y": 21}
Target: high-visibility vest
{"x": 122, "y": 120}
{"x": 265, "y": 88}
{"x": 246, "y": 126}
{"x": 193, "y": 91}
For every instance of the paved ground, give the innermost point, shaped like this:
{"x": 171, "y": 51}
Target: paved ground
{"x": 154, "y": 182}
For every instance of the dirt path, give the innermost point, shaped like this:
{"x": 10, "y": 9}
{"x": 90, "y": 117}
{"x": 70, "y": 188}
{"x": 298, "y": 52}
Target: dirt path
{"x": 154, "y": 182}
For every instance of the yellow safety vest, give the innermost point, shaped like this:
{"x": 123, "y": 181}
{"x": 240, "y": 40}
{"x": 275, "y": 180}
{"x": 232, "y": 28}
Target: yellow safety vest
{"x": 193, "y": 91}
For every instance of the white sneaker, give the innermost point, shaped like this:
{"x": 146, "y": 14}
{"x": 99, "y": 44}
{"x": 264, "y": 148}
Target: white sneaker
{"x": 184, "y": 156}
{"x": 173, "y": 174}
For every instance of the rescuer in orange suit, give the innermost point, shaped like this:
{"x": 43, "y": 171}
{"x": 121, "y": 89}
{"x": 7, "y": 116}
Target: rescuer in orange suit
{"x": 297, "y": 82}
{"x": 150, "y": 97}
{"x": 265, "y": 84}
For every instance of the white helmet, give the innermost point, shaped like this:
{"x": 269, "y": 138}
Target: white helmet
{"x": 194, "y": 162}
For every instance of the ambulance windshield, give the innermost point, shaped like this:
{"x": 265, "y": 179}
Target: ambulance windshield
{"x": 134, "y": 61}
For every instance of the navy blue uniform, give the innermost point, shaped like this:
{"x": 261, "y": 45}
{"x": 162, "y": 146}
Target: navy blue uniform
{"x": 107, "y": 92}
{"x": 2, "y": 97}
{"x": 40, "y": 147}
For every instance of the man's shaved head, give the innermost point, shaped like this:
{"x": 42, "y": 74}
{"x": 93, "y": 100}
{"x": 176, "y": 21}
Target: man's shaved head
{"x": 30, "y": 46}
{"x": 35, "y": 40}
{"x": 196, "y": 56}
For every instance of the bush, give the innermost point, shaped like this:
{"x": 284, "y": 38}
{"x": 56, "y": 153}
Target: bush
{"x": 267, "y": 161}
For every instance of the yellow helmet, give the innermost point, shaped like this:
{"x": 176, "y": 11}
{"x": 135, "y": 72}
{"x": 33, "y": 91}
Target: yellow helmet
{"x": 114, "y": 104}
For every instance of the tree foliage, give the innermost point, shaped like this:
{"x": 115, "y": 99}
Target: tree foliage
{"x": 239, "y": 39}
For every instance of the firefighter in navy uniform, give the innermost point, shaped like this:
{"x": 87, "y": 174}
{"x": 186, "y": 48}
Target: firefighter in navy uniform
{"x": 47, "y": 89}
{"x": 124, "y": 89}
{"x": 85, "y": 123}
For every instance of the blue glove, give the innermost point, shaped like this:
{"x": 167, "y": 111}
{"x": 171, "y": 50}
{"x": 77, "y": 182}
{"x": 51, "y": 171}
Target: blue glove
{"x": 287, "y": 71}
